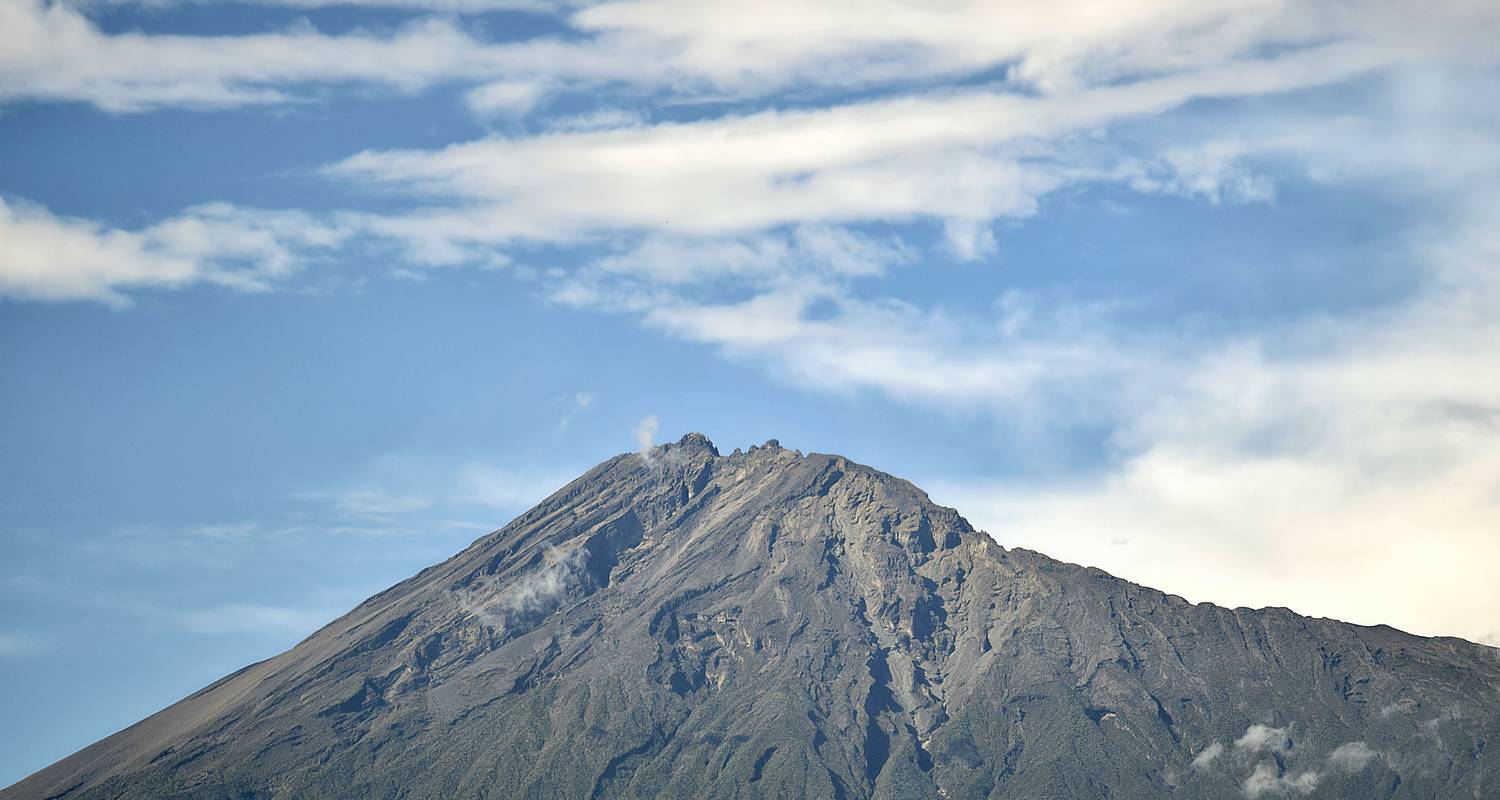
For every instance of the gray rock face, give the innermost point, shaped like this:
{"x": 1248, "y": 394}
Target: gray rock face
{"x": 687, "y": 625}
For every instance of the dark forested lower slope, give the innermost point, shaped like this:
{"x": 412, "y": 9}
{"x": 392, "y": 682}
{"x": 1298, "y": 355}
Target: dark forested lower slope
{"x": 682, "y": 624}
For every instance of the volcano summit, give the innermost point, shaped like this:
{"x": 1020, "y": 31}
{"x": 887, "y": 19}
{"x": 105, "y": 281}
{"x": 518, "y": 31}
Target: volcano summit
{"x": 682, "y": 624}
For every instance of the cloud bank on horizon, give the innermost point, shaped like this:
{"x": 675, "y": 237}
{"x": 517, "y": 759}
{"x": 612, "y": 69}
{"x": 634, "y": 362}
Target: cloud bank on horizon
{"x": 812, "y": 190}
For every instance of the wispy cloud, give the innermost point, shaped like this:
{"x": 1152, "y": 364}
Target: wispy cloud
{"x": 965, "y": 157}
{"x": 645, "y": 434}
{"x": 1208, "y": 755}
{"x": 1280, "y": 775}
{"x": 1268, "y": 779}
{"x": 502, "y": 604}
{"x": 1352, "y": 757}
{"x": 746, "y": 196}
{"x": 47, "y": 257}
{"x": 579, "y": 403}
{"x": 505, "y": 97}
{"x": 710, "y": 47}
{"x": 413, "y": 505}
{"x": 411, "y": 494}
{"x": 493, "y": 487}
{"x": 1260, "y": 737}
{"x": 233, "y": 618}
{"x": 51, "y": 51}
{"x": 366, "y": 501}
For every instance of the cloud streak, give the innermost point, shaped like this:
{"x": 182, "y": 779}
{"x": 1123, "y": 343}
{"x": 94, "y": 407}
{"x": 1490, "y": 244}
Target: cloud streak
{"x": 47, "y": 257}
{"x": 238, "y": 618}
{"x": 966, "y": 158}
{"x": 707, "y": 48}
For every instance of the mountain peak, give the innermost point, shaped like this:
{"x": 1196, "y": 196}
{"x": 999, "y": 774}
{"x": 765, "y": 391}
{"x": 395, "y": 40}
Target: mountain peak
{"x": 676, "y": 623}
{"x": 697, "y": 441}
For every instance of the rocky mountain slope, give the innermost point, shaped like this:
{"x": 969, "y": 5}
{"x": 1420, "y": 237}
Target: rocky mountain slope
{"x": 768, "y": 624}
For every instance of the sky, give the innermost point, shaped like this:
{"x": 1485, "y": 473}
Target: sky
{"x": 300, "y": 296}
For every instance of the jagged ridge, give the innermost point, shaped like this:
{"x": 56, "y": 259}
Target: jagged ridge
{"x": 684, "y": 624}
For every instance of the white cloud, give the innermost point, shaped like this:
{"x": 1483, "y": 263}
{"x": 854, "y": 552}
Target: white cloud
{"x": 1263, "y": 737}
{"x": 1206, "y": 758}
{"x": 51, "y": 51}
{"x": 963, "y": 158}
{"x": 1267, "y": 780}
{"x": 970, "y": 239}
{"x": 698, "y": 198}
{"x": 645, "y": 434}
{"x": 901, "y": 350}
{"x": 1054, "y": 45}
{"x": 46, "y": 257}
{"x": 695, "y": 47}
{"x": 505, "y": 97}
{"x": 501, "y": 604}
{"x": 1352, "y": 756}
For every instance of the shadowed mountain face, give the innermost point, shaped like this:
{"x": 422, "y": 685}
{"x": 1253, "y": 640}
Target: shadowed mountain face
{"x": 767, "y": 624}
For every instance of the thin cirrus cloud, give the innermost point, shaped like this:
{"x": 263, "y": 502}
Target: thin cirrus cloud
{"x": 47, "y": 257}
{"x": 881, "y": 161}
{"x": 403, "y": 489}
{"x": 978, "y": 154}
{"x": 730, "y": 185}
{"x": 53, "y": 51}
{"x": 240, "y": 618}
{"x": 968, "y": 156}
{"x": 965, "y": 158}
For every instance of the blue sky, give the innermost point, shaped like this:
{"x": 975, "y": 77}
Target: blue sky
{"x": 300, "y": 296}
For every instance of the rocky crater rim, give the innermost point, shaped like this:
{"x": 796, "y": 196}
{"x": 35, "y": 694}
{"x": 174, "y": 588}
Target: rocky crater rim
{"x": 698, "y": 442}
{"x": 695, "y": 447}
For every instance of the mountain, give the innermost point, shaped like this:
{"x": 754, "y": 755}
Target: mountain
{"x": 682, "y": 624}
